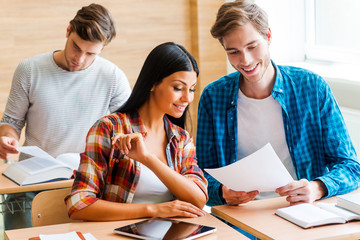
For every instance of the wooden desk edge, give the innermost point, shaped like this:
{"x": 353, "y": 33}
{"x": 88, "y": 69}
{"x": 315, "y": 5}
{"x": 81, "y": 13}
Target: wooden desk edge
{"x": 223, "y": 231}
{"x": 8, "y": 186}
{"x": 38, "y": 187}
{"x": 240, "y": 225}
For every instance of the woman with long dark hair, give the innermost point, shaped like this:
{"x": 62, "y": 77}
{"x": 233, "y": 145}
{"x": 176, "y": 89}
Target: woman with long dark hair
{"x": 140, "y": 162}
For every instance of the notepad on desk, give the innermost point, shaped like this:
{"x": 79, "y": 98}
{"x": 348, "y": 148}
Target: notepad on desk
{"x": 42, "y": 167}
{"x": 308, "y": 215}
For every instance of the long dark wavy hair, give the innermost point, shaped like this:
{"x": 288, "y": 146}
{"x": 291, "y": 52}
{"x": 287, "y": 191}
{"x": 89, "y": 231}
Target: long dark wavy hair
{"x": 164, "y": 60}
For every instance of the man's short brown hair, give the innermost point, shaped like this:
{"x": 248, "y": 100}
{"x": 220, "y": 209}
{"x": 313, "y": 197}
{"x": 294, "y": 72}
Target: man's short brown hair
{"x": 235, "y": 14}
{"x": 94, "y": 23}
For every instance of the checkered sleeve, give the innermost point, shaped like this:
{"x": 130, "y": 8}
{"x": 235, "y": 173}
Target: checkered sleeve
{"x": 205, "y": 146}
{"x": 340, "y": 155}
{"x": 189, "y": 167}
{"x": 90, "y": 176}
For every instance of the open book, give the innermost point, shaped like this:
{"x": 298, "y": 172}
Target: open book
{"x": 308, "y": 215}
{"x": 42, "y": 167}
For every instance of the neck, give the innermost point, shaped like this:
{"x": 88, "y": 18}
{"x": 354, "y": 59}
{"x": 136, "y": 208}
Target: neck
{"x": 259, "y": 89}
{"x": 152, "y": 120}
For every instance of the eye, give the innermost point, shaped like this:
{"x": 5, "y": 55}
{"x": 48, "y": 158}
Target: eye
{"x": 177, "y": 89}
{"x": 192, "y": 90}
{"x": 233, "y": 52}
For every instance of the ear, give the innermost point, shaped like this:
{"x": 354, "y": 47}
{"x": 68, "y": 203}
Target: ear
{"x": 269, "y": 35}
{"x": 68, "y": 31}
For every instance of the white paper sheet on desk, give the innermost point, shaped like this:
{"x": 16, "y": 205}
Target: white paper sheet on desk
{"x": 262, "y": 170}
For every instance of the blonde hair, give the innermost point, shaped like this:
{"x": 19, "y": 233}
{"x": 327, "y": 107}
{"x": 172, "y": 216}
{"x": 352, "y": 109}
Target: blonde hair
{"x": 235, "y": 14}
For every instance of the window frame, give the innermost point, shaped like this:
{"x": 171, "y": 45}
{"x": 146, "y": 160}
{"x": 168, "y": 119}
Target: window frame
{"x": 323, "y": 53}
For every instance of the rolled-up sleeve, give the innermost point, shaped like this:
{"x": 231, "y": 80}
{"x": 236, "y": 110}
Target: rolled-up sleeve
{"x": 90, "y": 176}
{"x": 190, "y": 168}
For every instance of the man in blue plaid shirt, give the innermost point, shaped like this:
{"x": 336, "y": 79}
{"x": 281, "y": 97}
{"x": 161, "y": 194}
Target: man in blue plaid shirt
{"x": 292, "y": 108}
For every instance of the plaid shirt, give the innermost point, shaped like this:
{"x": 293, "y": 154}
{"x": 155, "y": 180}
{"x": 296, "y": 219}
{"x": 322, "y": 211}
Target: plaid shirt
{"x": 105, "y": 173}
{"x": 315, "y": 131}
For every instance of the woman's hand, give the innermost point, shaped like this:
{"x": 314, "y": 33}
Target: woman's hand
{"x": 175, "y": 208}
{"x": 132, "y": 145}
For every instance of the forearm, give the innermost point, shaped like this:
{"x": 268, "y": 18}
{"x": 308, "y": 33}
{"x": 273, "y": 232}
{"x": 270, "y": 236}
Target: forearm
{"x": 342, "y": 178}
{"x": 7, "y": 130}
{"x": 183, "y": 188}
{"x": 103, "y": 210}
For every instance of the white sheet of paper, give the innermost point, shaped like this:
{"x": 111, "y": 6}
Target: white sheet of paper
{"x": 62, "y": 236}
{"x": 262, "y": 170}
{"x": 68, "y": 236}
{"x": 35, "y": 151}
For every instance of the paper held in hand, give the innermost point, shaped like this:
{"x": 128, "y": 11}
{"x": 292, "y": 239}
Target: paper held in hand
{"x": 262, "y": 170}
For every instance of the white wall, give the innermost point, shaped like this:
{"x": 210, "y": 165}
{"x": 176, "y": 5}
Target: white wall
{"x": 286, "y": 21}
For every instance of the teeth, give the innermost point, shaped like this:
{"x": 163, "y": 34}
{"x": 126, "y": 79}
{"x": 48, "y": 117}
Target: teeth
{"x": 250, "y": 69}
{"x": 180, "y": 107}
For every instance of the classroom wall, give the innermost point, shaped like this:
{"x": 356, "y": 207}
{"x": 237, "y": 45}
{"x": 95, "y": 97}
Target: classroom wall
{"x": 32, "y": 27}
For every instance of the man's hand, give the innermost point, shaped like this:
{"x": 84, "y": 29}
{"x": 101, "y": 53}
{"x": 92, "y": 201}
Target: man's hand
{"x": 303, "y": 191}
{"x": 8, "y": 147}
{"x": 237, "y": 197}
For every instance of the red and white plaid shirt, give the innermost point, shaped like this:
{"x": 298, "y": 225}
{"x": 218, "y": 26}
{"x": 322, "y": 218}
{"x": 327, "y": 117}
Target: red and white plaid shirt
{"x": 105, "y": 173}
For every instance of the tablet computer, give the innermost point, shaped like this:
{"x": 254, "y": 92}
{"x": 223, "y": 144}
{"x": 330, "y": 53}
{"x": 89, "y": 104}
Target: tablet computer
{"x": 159, "y": 228}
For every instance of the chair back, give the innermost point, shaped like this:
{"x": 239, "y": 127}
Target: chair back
{"x": 48, "y": 207}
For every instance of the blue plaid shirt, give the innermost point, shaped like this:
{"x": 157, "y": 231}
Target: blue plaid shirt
{"x": 318, "y": 140}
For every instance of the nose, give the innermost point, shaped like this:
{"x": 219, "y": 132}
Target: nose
{"x": 245, "y": 58}
{"x": 80, "y": 57}
{"x": 187, "y": 97}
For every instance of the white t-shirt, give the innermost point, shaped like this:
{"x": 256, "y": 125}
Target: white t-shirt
{"x": 150, "y": 189}
{"x": 60, "y": 106}
{"x": 260, "y": 122}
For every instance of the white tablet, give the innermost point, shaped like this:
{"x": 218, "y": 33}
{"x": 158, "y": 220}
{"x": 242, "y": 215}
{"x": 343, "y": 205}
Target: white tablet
{"x": 164, "y": 229}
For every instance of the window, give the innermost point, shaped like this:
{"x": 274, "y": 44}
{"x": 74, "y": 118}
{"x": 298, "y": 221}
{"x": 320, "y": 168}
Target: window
{"x": 332, "y": 30}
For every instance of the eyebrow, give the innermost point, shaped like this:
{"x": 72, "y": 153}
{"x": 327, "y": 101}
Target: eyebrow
{"x": 184, "y": 82}
{"x": 230, "y": 49}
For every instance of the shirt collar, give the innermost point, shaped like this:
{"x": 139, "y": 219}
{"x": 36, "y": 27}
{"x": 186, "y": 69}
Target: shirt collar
{"x": 279, "y": 81}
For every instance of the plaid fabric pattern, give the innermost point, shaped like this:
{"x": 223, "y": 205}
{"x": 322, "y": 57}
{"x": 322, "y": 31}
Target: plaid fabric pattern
{"x": 318, "y": 140}
{"x": 105, "y": 173}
